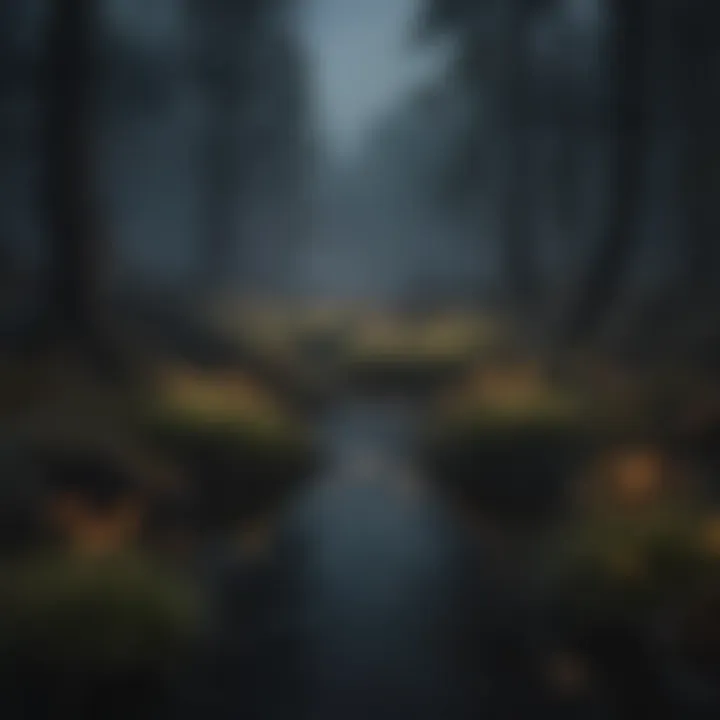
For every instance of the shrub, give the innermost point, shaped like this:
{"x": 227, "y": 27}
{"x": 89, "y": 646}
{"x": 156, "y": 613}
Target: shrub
{"x": 242, "y": 448}
{"x": 506, "y": 443}
{"x": 116, "y": 611}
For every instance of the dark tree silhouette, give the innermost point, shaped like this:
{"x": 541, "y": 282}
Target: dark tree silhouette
{"x": 514, "y": 98}
{"x": 224, "y": 35}
{"x": 609, "y": 264}
{"x": 246, "y": 61}
{"x": 696, "y": 65}
{"x": 496, "y": 63}
{"x": 70, "y": 189}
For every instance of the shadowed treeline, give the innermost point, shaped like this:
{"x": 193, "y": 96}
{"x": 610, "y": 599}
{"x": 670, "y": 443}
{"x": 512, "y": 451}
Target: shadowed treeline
{"x": 422, "y": 425}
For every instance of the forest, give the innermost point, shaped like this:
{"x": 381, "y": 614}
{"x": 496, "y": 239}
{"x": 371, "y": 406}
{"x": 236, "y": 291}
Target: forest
{"x": 424, "y": 426}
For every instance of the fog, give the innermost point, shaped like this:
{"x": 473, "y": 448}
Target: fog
{"x": 323, "y": 160}
{"x": 359, "y": 359}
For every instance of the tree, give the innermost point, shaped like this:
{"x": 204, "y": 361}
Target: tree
{"x": 283, "y": 131}
{"x": 496, "y": 63}
{"x": 514, "y": 100}
{"x": 604, "y": 274}
{"x": 696, "y": 66}
{"x": 221, "y": 50}
{"x": 70, "y": 182}
{"x": 251, "y": 72}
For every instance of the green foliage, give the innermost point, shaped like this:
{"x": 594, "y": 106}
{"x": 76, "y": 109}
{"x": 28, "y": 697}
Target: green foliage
{"x": 231, "y": 414}
{"x": 613, "y": 566}
{"x": 505, "y": 442}
{"x": 187, "y": 426}
{"x": 516, "y": 404}
{"x": 557, "y": 414}
{"x": 241, "y": 449}
{"x": 115, "y": 612}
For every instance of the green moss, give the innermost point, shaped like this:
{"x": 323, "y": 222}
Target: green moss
{"x": 229, "y": 432}
{"x": 256, "y": 426}
{"x": 543, "y": 418}
{"x": 244, "y": 457}
{"x": 630, "y": 565}
{"x": 115, "y": 612}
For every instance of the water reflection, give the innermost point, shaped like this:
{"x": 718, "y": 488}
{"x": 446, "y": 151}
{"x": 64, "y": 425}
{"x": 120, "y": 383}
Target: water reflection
{"x": 374, "y": 603}
{"x": 386, "y": 607}
{"x": 374, "y": 576}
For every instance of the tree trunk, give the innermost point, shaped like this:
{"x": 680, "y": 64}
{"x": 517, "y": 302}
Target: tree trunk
{"x": 224, "y": 27}
{"x": 70, "y": 178}
{"x": 567, "y": 141}
{"x": 514, "y": 86}
{"x": 608, "y": 265}
{"x": 697, "y": 100}
{"x": 222, "y": 194}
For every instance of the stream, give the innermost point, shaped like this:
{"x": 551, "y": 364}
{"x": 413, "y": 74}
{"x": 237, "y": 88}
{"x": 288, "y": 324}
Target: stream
{"x": 375, "y": 604}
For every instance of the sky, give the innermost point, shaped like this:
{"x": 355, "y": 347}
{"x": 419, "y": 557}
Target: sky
{"x": 364, "y": 61}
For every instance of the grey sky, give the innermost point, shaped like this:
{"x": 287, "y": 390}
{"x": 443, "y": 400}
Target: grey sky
{"x": 363, "y": 60}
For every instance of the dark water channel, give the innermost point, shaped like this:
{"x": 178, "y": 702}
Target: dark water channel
{"x": 374, "y": 605}
{"x": 375, "y": 590}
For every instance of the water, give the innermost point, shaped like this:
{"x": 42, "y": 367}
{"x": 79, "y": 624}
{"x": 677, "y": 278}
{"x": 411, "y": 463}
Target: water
{"x": 386, "y": 607}
{"x": 375, "y": 604}
{"x": 374, "y": 583}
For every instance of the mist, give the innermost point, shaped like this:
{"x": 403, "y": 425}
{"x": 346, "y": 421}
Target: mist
{"x": 359, "y": 359}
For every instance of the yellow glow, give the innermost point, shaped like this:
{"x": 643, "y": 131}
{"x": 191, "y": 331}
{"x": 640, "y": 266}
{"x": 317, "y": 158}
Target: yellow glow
{"x": 638, "y": 475}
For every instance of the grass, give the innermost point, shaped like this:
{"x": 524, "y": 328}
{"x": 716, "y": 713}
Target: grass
{"x": 243, "y": 449}
{"x": 205, "y": 430}
{"x": 371, "y": 346}
{"x": 506, "y": 442}
{"x": 397, "y": 352}
{"x": 294, "y": 344}
{"x": 225, "y": 409}
{"x": 120, "y": 611}
{"x": 612, "y": 567}
{"x": 439, "y": 339}
{"x": 510, "y": 408}
{"x": 507, "y": 400}
{"x": 640, "y": 553}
